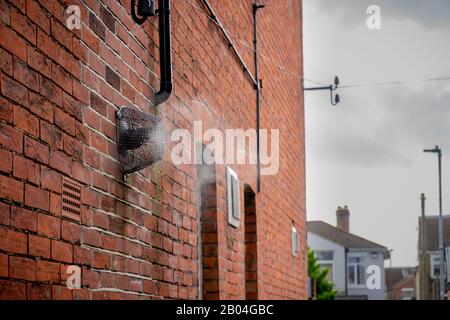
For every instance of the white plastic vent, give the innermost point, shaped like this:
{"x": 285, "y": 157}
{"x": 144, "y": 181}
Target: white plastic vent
{"x": 295, "y": 242}
{"x": 233, "y": 196}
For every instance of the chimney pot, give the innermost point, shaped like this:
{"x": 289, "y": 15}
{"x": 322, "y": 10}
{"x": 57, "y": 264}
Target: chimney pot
{"x": 343, "y": 218}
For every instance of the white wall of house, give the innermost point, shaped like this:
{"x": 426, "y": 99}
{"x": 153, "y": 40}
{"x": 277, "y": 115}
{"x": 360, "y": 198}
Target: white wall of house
{"x": 370, "y": 257}
{"x": 317, "y": 243}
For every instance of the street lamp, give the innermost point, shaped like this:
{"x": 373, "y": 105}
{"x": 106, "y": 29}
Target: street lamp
{"x": 332, "y": 88}
{"x": 438, "y": 151}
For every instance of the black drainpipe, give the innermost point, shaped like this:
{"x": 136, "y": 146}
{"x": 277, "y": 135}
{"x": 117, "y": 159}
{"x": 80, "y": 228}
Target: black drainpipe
{"x": 165, "y": 52}
{"x": 257, "y": 6}
{"x": 140, "y": 13}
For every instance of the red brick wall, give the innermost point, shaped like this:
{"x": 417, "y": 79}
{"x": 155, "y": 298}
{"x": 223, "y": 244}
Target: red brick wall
{"x": 59, "y": 92}
{"x": 396, "y": 292}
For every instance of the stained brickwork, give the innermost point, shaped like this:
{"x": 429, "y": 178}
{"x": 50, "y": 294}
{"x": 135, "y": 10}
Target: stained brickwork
{"x": 143, "y": 238}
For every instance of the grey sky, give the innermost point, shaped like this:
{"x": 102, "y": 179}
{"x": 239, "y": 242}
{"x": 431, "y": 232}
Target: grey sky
{"x": 367, "y": 152}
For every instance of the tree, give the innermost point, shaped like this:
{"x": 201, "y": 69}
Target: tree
{"x": 324, "y": 288}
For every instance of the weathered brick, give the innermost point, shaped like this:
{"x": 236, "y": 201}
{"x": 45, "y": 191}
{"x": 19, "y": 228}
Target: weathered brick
{"x": 61, "y": 34}
{"x": 36, "y": 13}
{"x": 61, "y": 293}
{"x": 22, "y": 268}
{"x": 60, "y": 162}
{"x": 62, "y": 78}
{"x": 11, "y": 189}
{"x": 38, "y": 291}
{"x": 72, "y": 106}
{"x": 62, "y": 251}
{"x": 102, "y": 260}
{"x": 51, "y": 135}
{"x": 38, "y": 246}
{"x": 26, "y": 121}
{"x": 15, "y": 91}
{"x": 49, "y": 226}
{"x": 108, "y": 19}
{"x": 90, "y": 39}
{"x": 50, "y": 179}
{"x": 70, "y": 232}
{"x": 51, "y": 91}
{"x": 23, "y": 26}
{"x": 23, "y": 219}
{"x": 81, "y": 172}
{"x": 55, "y": 204}
{"x": 37, "y": 198}
{"x": 79, "y": 50}
{"x": 12, "y": 290}
{"x": 26, "y": 169}
{"x": 74, "y": 147}
{"x": 40, "y": 106}
{"x": 91, "y": 237}
{"x": 112, "y": 78}
{"x": 6, "y": 110}
{"x": 5, "y": 13}
{"x": 5, "y": 218}
{"x": 82, "y": 256}
{"x": 47, "y": 271}
{"x": 96, "y": 26}
{"x": 12, "y": 241}
{"x": 54, "y": 7}
{"x": 12, "y": 42}
{"x": 3, "y": 265}
{"x": 80, "y": 92}
{"x": 36, "y": 150}
{"x": 98, "y": 104}
{"x": 65, "y": 122}
{"x": 6, "y": 62}
{"x": 6, "y": 163}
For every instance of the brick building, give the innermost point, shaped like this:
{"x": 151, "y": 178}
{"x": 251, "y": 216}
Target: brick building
{"x": 401, "y": 283}
{"x": 162, "y": 233}
{"x": 429, "y": 256}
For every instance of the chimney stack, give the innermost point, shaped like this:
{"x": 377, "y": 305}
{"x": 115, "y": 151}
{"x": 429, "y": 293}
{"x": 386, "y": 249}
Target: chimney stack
{"x": 343, "y": 218}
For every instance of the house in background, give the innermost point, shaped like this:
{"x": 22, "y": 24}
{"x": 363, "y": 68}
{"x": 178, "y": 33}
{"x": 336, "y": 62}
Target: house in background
{"x": 401, "y": 283}
{"x": 348, "y": 257}
{"x": 429, "y": 258}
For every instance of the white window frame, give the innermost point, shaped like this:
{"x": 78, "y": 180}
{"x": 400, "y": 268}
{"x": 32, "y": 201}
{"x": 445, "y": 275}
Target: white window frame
{"x": 355, "y": 265}
{"x": 320, "y": 262}
{"x": 295, "y": 239}
{"x": 434, "y": 263}
{"x": 233, "y": 198}
{"x": 411, "y": 290}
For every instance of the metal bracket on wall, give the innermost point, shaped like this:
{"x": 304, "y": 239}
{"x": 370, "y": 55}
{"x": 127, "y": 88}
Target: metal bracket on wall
{"x": 144, "y": 9}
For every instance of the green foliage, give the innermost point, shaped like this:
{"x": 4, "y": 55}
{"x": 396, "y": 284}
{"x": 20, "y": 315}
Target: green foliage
{"x": 324, "y": 287}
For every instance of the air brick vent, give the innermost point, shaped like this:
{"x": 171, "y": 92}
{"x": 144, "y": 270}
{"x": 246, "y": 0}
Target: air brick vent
{"x": 71, "y": 199}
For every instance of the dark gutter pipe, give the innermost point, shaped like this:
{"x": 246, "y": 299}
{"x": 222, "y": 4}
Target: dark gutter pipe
{"x": 140, "y": 13}
{"x": 165, "y": 52}
{"x": 256, "y": 7}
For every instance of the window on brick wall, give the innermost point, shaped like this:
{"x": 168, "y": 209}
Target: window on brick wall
{"x": 407, "y": 293}
{"x": 233, "y": 197}
{"x": 295, "y": 241}
{"x": 435, "y": 266}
